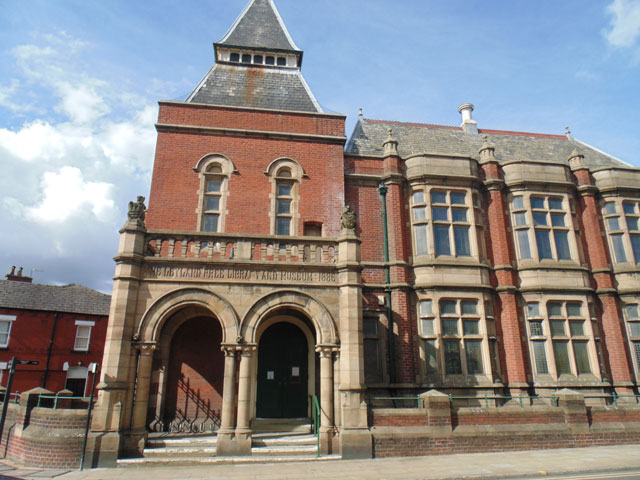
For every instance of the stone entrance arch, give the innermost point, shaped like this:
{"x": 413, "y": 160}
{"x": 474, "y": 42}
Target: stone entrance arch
{"x": 153, "y": 339}
{"x": 319, "y": 316}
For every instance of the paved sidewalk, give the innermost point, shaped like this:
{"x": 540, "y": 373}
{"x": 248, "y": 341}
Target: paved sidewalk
{"x": 539, "y": 463}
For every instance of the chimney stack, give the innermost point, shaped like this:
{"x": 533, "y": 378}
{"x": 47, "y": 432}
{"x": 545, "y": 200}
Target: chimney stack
{"x": 17, "y": 277}
{"x": 469, "y": 125}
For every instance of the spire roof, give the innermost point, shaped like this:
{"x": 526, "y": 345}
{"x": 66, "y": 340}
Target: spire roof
{"x": 259, "y": 26}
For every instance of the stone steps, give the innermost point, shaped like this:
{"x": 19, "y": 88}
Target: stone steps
{"x": 281, "y": 444}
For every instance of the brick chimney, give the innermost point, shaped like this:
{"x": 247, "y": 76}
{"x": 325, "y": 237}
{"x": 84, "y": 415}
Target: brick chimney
{"x": 17, "y": 277}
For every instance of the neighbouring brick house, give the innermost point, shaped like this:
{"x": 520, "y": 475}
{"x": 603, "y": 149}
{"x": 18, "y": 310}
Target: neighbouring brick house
{"x": 278, "y": 261}
{"x": 62, "y": 327}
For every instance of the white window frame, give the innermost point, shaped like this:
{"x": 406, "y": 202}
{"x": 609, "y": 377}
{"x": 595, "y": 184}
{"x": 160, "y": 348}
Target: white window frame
{"x": 528, "y": 228}
{"x": 436, "y": 337}
{"x": 545, "y": 337}
{"x": 632, "y": 321}
{"x": 9, "y": 319}
{"x": 80, "y": 324}
{"x": 285, "y": 171}
{"x": 424, "y": 224}
{"x": 625, "y": 220}
{"x": 213, "y": 167}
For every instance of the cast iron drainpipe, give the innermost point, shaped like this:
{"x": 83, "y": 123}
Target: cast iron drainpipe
{"x": 382, "y": 190}
{"x": 45, "y": 377}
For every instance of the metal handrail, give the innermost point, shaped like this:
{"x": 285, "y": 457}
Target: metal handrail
{"x": 56, "y": 398}
{"x": 316, "y": 423}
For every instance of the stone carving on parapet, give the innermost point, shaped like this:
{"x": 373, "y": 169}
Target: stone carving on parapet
{"x": 136, "y": 212}
{"x": 349, "y": 219}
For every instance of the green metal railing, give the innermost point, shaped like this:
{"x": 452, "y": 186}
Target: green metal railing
{"x": 42, "y": 400}
{"x": 316, "y": 423}
{"x": 13, "y": 397}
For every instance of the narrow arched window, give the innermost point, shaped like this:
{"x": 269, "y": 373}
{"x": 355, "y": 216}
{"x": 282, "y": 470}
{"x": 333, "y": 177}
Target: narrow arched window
{"x": 285, "y": 176}
{"x": 214, "y": 189}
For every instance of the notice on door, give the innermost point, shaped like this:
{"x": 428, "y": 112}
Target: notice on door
{"x": 295, "y": 371}
{"x": 270, "y": 375}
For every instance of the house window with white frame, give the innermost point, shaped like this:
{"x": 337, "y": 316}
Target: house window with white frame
{"x": 560, "y": 337}
{"x": 454, "y": 337}
{"x": 443, "y": 222}
{"x": 542, "y": 227}
{"x": 622, "y": 223}
{"x": 6, "y": 322}
{"x": 83, "y": 335}
{"x": 284, "y": 201}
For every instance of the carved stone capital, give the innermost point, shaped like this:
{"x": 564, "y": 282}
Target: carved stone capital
{"x": 146, "y": 348}
{"x": 326, "y": 351}
{"x": 247, "y": 350}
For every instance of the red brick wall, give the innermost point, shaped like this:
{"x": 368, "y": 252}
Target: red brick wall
{"x": 196, "y": 371}
{"x": 25, "y": 345}
{"x": 173, "y": 204}
{"x": 51, "y": 439}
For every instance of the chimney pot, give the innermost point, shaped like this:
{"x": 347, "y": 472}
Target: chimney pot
{"x": 469, "y": 125}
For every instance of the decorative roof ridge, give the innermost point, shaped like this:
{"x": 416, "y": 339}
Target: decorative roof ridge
{"x": 480, "y": 130}
{"x": 411, "y": 124}
{"x": 521, "y": 134}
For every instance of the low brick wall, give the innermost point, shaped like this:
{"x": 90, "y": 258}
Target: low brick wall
{"x": 437, "y": 428}
{"x": 43, "y": 437}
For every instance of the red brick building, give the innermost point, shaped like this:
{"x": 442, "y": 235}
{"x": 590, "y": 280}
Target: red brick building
{"x": 61, "y": 327}
{"x": 479, "y": 263}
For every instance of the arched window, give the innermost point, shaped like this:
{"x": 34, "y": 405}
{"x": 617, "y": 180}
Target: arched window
{"x": 285, "y": 176}
{"x": 214, "y": 171}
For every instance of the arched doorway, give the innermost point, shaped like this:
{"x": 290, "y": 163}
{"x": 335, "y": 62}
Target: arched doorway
{"x": 195, "y": 376}
{"x": 283, "y": 372}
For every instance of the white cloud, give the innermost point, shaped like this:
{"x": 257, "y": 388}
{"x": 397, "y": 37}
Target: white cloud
{"x": 66, "y": 193}
{"x": 625, "y": 24}
{"x": 81, "y": 103}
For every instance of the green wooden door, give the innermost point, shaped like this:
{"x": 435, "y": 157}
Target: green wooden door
{"x": 282, "y": 373}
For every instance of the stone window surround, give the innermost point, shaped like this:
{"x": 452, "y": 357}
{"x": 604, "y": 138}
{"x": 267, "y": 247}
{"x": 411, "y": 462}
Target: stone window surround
{"x": 571, "y": 227}
{"x": 632, "y": 322}
{"x": 203, "y": 168}
{"x": 474, "y": 221}
{"x": 8, "y": 321}
{"x": 590, "y": 336}
{"x": 81, "y": 326}
{"x": 486, "y": 334}
{"x": 295, "y": 178}
{"x": 623, "y": 229}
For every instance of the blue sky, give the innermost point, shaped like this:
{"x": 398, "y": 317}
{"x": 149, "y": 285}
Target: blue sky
{"x": 80, "y": 81}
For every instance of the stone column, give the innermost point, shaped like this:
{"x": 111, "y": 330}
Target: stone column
{"x": 355, "y": 437}
{"x": 510, "y": 332}
{"x": 138, "y": 434}
{"x": 612, "y": 326}
{"x": 224, "y": 445}
{"x": 112, "y": 414}
{"x": 160, "y": 397}
{"x": 326, "y": 398}
{"x": 243, "y": 428}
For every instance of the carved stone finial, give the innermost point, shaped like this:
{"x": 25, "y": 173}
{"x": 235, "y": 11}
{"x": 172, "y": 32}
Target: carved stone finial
{"x": 360, "y": 114}
{"x": 137, "y": 211}
{"x": 390, "y": 145}
{"x": 567, "y": 132}
{"x": 349, "y": 219}
{"x": 576, "y": 160}
{"x": 487, "y": 151}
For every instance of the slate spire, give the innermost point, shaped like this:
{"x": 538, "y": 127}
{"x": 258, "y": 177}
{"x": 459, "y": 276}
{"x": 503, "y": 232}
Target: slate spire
{"x": 260, "y": 27}
{"x": 257, "y": 65}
